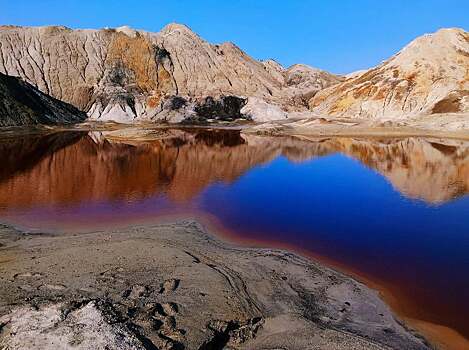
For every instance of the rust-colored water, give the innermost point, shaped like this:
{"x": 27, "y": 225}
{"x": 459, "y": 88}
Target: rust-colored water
{"x": 392, "y": 213}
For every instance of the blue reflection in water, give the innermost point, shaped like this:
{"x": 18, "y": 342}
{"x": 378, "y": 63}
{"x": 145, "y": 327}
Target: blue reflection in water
{"x": 343, "y": 210}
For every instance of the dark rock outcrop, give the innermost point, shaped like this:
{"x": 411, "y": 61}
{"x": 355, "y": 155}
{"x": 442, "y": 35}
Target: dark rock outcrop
{"x": 224, "y": 108}
{"x": 22, "y": 104}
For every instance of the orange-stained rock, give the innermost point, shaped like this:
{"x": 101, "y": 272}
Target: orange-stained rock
{"x": 429, "y": 76}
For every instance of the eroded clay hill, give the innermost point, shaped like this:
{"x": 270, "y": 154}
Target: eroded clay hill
{"x": 22, "y": 104}
{"x": 429, "y": 76}
{"x": 124, "y": 74}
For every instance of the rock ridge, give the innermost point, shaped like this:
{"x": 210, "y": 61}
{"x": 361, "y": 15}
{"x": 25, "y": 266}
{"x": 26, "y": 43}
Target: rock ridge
{"x": 127, "y": 75}
{"x": 427, "y": 77}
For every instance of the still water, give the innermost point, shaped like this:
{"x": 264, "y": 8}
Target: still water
{"x": 393, "y": 210}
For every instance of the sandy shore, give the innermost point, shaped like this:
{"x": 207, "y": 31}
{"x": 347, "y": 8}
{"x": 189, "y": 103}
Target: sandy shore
{"x": 448, "y": 126}
{"x": 454, "y": 126}
{"x": 174, "y": 286}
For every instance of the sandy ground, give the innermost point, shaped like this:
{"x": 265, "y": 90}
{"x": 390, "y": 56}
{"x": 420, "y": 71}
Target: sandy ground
{"x": 174, "y": 286}
{"x": 445, "y": 125}
{"x": 449, "y": 126}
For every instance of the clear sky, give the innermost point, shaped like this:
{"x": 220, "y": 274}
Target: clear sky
{"x": 337, "y": 35}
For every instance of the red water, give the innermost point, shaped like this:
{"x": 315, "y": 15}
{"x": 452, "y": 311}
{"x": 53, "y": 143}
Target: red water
{"x": 362, "y": 206}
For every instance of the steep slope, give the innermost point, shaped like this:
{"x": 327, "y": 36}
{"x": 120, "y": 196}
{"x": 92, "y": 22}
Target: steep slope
{"x": 124, "y": 74}
{"x": 429, "y": 76}
{"x": 304, "y": 82}
{"x": 22, "y": 104}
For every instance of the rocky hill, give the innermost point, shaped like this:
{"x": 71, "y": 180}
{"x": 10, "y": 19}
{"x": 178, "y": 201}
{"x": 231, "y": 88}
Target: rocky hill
{"x": 124, "y": 74}
{"x": 304, "y": 82}
{"x": 130, "y": 75}
{"x": 22, "y": 104}
{"x": 429, "y": 76}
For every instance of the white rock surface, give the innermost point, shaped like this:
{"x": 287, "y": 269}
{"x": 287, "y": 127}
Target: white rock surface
{"x": 429, "y": 76}
{"x": 261, "y": 111}
{"x": 103, "y": 71}
{"x": 49, "y": 328}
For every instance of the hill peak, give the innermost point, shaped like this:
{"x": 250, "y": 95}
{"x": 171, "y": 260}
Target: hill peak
{"x": 176, "y": 27}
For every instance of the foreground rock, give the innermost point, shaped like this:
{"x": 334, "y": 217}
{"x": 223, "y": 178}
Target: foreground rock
{"x": 22, "y": 104}
{"x": 171, "y": 286}
{"x": 430, "y": 76}
{"x": 127, "y": 75}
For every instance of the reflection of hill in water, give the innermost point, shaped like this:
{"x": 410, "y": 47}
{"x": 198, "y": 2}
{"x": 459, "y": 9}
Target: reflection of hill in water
{"x": 69, "y": 168}
{"x": 428, "y": 170}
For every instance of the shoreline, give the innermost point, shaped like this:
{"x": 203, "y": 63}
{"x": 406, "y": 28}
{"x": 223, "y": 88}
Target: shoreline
{"x": 287, "y": 292}
{"x": 442, "y": 336}
{"x": 315, "y": 127}
{"x": 334, "y": 129}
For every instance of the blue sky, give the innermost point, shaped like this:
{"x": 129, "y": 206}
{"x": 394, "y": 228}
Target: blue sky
{"x": 339, "y": 36}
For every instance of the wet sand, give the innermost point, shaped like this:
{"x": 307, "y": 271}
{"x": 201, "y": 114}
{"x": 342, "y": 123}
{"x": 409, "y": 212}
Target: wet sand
{"x": 440, "y": 336}
{"x": 174, "y": 286}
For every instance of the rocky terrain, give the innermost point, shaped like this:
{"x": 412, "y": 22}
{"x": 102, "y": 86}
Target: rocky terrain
{"x": 127, "y": 75}
{"x": 22, "y": 104}
{"x": 430, "y": 76}
{"x": 173, "y": 286}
